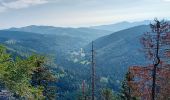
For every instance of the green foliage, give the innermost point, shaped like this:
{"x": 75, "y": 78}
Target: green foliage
{"x": 107, "y": 94}
{"x": 43, "y": 77}
{"x": 84, "y": 96}
{"x": 16, "y": 75}
{"x": 125, "y": 93}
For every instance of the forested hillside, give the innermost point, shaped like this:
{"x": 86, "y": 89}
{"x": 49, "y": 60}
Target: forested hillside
{"x": 69, "y": 62}
{"x": 117, "y": 51}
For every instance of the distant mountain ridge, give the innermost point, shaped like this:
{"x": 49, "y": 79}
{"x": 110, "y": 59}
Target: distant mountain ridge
{"x": 84, "y": 33}
{"x": 90, "y": 33}
{"x": 121, "y": 25}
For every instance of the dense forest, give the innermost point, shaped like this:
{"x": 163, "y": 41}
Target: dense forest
{"x": 118, "y": 66}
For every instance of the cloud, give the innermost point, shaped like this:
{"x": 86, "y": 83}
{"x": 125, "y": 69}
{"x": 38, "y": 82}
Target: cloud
{"x": 18, "y": 4}
{"x": 167, "y": 0}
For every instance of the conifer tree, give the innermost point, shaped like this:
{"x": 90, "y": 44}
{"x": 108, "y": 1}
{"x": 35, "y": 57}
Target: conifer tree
{"x": 125, "y": 93}
{"x": 107, "y": 94}
{"x": 26, "y": 78}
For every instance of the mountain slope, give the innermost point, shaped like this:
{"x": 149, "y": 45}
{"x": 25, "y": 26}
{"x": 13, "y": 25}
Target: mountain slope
{"x": 117, "y": 51}
{"x": 40, "y": 43}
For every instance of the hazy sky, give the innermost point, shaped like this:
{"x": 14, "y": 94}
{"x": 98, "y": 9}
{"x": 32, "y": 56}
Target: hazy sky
{"x": 75, "y": 13}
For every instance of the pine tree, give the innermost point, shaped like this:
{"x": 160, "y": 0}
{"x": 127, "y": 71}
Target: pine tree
{"x": 107, "y": 94}
{"x": 43, "y": 77}
{"x": 125, "y": 93}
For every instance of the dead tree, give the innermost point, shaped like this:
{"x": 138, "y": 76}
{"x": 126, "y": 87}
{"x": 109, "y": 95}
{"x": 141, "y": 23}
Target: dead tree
{"x": 93, "y": 72}
{"x": 152, "y": 80}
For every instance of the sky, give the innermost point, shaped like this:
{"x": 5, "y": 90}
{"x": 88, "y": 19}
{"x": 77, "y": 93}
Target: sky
{"x": 79, "y": 13}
